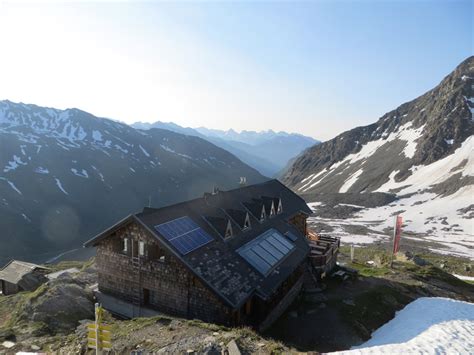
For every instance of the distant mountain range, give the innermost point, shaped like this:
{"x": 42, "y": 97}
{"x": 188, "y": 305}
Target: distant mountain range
{"x": 422, "y": 151}
{"x": 267, "y": 151}
{"x": 66, "y": 174}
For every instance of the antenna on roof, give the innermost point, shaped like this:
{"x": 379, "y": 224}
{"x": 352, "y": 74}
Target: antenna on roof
{"x": 149, "y": 201}
{"x": 243, "y": 181}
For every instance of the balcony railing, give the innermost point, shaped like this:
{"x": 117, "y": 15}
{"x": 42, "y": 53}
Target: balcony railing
{"x": 323, "y": 248}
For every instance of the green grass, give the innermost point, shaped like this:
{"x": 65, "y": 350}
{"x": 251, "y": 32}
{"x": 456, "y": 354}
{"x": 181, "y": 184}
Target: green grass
{"x": 381, "y": 256}
{"x": 370, "y": 271}
{"x": 430, "y": 273}
{"x": 209, "y": 326}
{"x": 69, "y": 264}
{"x": 16, "y": 310}
{"x": 452, "y": 264}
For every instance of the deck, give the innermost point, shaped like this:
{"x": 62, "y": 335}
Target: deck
{"x": 323, "y": 254}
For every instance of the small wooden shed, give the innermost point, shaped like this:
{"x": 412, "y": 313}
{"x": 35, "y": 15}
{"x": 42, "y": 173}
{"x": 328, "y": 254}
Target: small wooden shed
{"x": 19, "y": 276}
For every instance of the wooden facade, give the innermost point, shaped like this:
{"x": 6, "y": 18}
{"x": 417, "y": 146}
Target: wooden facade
{"x": 158, "y": 280}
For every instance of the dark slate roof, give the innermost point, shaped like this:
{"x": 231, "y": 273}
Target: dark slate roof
{"x": 217, "y": 263}
{"x": 237, "y": 216}
{"x": 218, "y": 223}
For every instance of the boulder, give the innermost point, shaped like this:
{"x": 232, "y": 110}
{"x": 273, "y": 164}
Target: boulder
{"x": 60, "y": 305}
{"x": 233, "y": 348}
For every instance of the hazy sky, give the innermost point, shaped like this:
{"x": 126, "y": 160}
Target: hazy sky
{"x": 316, "y": 67}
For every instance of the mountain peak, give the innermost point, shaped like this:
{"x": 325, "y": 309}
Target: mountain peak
{"x": 418, "y": 132}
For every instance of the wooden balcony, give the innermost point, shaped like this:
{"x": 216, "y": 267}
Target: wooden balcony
{"x": 324, "y": 250}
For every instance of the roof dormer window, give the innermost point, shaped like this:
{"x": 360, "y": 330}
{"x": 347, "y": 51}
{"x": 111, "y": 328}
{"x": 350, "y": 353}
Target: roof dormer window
{"x": 280, "y": 207}
{"x": 247, "y": 221}
{"x": 272, "y": 210}
{"x": 228, "y": 230}
{"x": 263, "y": 214}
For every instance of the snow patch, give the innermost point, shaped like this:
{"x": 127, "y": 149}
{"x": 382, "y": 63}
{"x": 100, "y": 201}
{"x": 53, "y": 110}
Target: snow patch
{"x": 41, "y": 170}
{"x": 12, "y": 185}
{"x": 350, "y": 181}
{"x": 305, "y": 187}
{"x": 424, "y": 176}
{"x": 428, "y": 325}
{"x": 464, "y": 278}
{"x": 60, "y": 186}
{"x": 83, "y": 173}
{"x": 121, "y": 149}
{"x": 144, "y": 151}
{"x": 170, "y": 150}
{"x": 13, "y": 164}
{"x": 97, "y": 135}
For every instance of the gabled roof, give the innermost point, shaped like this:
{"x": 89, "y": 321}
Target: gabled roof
{"x": 15, "y": 270}
{"x": 218, "y": 263}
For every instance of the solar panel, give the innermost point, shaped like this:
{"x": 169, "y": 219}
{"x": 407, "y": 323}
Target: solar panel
{"x": 266, "y": 251}
{"x": 291, "y": 236}
{"x": 254, "y": 260}
{"x": 265, "y": 255}
{"x": 184, "y": 234}
{"x": 271, "y": 249}
{"x": 281, "y": 239}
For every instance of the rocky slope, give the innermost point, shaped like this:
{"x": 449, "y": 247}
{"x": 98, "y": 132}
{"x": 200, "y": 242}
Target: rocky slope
{"x": 421, "y": 151}
{"x": 417, "y": 133}
{"x": 66, "y": 174}
{"x": 54, "y": 317}
{"x": 267, "y": 151}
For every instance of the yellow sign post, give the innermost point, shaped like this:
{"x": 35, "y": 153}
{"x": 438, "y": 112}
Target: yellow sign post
{"x": 98, "y": 334}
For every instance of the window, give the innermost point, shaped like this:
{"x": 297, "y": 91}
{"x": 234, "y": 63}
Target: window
{"x": 125, "y": 245}
{"x": 141, "y": 248}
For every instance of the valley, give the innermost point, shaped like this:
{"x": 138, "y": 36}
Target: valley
{"x": 269, "y": 152}
{"x": 65, "y": 175}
